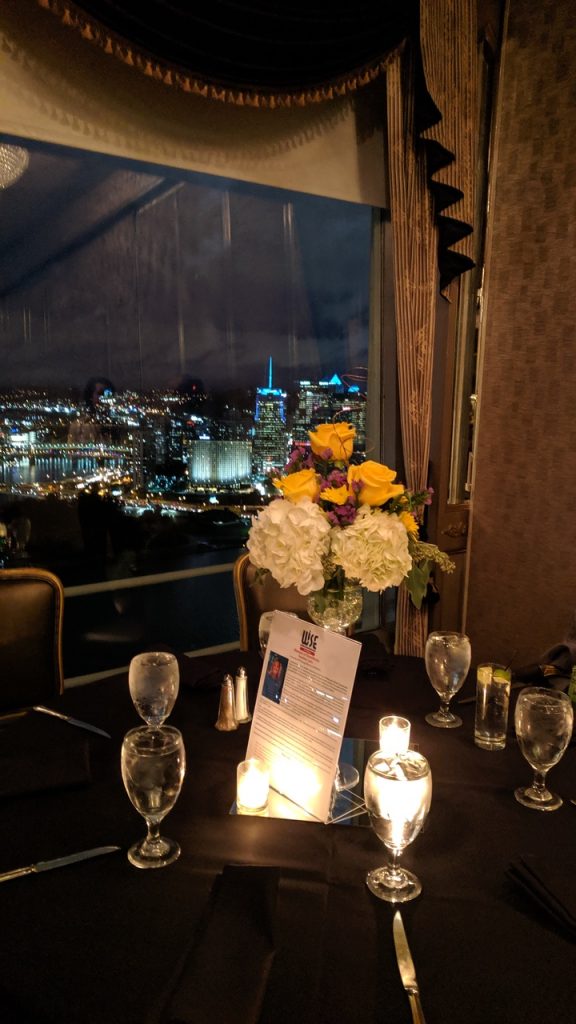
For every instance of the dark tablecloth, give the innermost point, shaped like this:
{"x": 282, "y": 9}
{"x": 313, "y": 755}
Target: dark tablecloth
{"x": 103, "y": 943}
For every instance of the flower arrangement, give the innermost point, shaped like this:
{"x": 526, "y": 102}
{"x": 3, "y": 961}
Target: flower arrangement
{"x": 340, "y": 521}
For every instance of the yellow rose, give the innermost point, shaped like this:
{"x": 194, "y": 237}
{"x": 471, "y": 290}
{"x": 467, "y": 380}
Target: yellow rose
{"x": 338, "y": 437}
{"x": 337, "y": 495}
{"x": 376, "y": 480}
{"x": 303, "y": 484}
{"x": 409, "y": 522}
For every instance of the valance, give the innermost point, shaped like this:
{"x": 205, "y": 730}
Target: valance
{"x": 261, "y": 53}
{"x": 269, "y": 53}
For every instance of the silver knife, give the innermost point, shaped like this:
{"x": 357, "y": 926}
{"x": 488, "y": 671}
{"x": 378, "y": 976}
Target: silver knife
{"x": 59, "y": 862}
{"x": 407, "y": 969}
{"x": 71, "y": 721}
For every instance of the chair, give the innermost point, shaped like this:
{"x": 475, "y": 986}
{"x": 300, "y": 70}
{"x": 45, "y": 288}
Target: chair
{"x": 31, "y": 616}
{"x": 255, "y": 596}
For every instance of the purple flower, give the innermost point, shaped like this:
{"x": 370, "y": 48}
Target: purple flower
{"x": 342, "y": 515}
{"x": 428, "y": 500}
{"x": 337, "y": 478}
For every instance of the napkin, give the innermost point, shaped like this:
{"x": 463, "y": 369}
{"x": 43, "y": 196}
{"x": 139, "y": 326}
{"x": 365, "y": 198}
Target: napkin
{"x": 38, "y": 753}
{"x": 205, "y": 673}
{"x": 374, "y": 658}
{"x": 550, "y": 884}
{"x": 225, "y": 974}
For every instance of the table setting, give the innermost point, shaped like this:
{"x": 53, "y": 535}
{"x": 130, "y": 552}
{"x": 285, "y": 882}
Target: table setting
{"x": 333, "y": 954}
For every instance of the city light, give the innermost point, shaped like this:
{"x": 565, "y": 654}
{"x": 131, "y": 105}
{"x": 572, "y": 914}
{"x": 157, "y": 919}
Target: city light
{"x": 155, "y": 450}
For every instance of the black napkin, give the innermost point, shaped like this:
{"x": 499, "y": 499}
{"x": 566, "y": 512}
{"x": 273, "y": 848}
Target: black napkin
{"x": 551, "y": 885}
{"x": 374, "y": 658}
{"x": 39, "y": 753}
{"x": 207, "y": 673}
{"x": 554, "y": 667}
{"x": 224, "y": 977}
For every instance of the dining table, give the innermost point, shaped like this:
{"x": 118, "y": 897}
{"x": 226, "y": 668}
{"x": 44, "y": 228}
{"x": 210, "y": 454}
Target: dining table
{"x": 267, "y": 920}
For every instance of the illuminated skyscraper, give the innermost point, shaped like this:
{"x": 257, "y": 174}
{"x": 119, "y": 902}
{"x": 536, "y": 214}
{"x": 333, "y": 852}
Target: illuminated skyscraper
{"x": 326, "y": 400}
{"x": 270, "y": 434}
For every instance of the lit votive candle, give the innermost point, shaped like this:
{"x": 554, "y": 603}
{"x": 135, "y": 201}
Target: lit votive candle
{"x": 252, "y": 785}
{"x": 394, "y": 734}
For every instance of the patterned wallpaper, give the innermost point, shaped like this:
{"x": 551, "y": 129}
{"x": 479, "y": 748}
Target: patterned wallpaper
{"x": 522, "y": 583}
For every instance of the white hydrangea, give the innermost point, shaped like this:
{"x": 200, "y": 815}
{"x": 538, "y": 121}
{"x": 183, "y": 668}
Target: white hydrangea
{"x": 290, "y": 540}
{"x": 373, "y": 549}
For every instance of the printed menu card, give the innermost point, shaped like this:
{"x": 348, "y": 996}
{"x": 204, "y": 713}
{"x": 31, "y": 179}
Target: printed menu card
{"x": 301, "y": 709}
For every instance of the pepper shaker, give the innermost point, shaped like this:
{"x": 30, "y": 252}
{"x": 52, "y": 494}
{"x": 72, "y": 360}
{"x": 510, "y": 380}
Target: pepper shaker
{"x": 242, "y": 709}
{"x": 227, "y": 709}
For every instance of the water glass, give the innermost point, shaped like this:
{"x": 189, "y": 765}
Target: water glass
{"x": 447, "y": 656}
{"x": 264, "y": 630}
{"x": 153, "y": 764}
{"x": 397, "y": 793}
{"x": 544, "y": 720}
{"x": 492, "y": 703}
{"x": 154, "y": 680}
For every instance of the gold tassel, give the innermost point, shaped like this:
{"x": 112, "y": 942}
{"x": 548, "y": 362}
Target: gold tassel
{"x": 92, "y": 32}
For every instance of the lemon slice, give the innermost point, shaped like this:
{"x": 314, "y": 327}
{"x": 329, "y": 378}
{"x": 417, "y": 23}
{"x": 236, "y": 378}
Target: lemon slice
{"x": 484, "y": 674}
{"x": 502, "y": 675}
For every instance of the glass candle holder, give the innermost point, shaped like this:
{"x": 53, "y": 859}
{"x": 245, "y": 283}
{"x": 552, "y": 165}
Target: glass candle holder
{"x": 252, "y": 786}
{"x": 394, "y": 734}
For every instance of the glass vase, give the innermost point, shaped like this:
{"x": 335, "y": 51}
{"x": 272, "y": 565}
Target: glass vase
{"x": 337, "y": 608}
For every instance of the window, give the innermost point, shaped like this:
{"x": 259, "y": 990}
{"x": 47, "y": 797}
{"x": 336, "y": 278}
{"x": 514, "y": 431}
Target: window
{"x": 164, "y": 336}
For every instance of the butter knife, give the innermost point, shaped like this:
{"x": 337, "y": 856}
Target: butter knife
{"x": 407, "y": 969}
{"x": 58, "y": 862}
{"x": 71, "y": 721}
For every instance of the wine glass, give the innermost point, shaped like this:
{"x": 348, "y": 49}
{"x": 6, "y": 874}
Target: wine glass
{"x": 154, "y": 678}
{"x": 397, "y": 793}
{"x": 447, "y": 656}
{"x": 264, "y": 625}
{"x": 153, "y": 765}
{"x": 543, "y": 720}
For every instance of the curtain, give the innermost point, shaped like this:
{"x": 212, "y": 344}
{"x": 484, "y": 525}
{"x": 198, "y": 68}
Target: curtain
{"x": 415, "y": 244}
{"x": 432, "y": 170}
{"x": 447, "y": 125}
{"x": 257, "y": 53}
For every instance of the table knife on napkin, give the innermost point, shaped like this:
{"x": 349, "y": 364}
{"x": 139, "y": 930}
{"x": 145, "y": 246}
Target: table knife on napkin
{"x": 58, "y": 862}
{"x": 407, "y": 969}
{"x": 70, "y": 720}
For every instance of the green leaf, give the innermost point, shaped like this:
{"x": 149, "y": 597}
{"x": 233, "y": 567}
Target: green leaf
{"x": 417, "y": 582}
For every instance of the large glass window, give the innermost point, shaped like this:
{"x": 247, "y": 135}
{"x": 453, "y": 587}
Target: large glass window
{"x": 164, "y": 337}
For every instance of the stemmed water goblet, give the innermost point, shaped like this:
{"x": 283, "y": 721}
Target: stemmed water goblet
{"x": 264, "y": 625}
{"x": 447, "y": 656}
{"x": 153, "y": 765}
{"x": 543, "y": 720}
{"x": 154, "y": 678}
{"x": 397, "y": 793}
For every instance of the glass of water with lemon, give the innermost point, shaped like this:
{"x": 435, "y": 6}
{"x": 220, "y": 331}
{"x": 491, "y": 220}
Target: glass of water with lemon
{"x": 492, "y": 704}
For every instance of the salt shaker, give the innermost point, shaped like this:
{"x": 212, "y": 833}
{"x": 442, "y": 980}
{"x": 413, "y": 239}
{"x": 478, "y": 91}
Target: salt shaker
{"x": 242, "y": 709}
{"x": 227, "y": 710}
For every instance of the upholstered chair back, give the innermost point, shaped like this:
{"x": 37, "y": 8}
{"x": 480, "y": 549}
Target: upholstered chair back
{"x": 31, "y": 616}
{"x": 254, "y": 596}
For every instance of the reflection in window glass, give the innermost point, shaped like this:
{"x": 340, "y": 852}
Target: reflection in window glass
{"x": 165, "y": 337}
